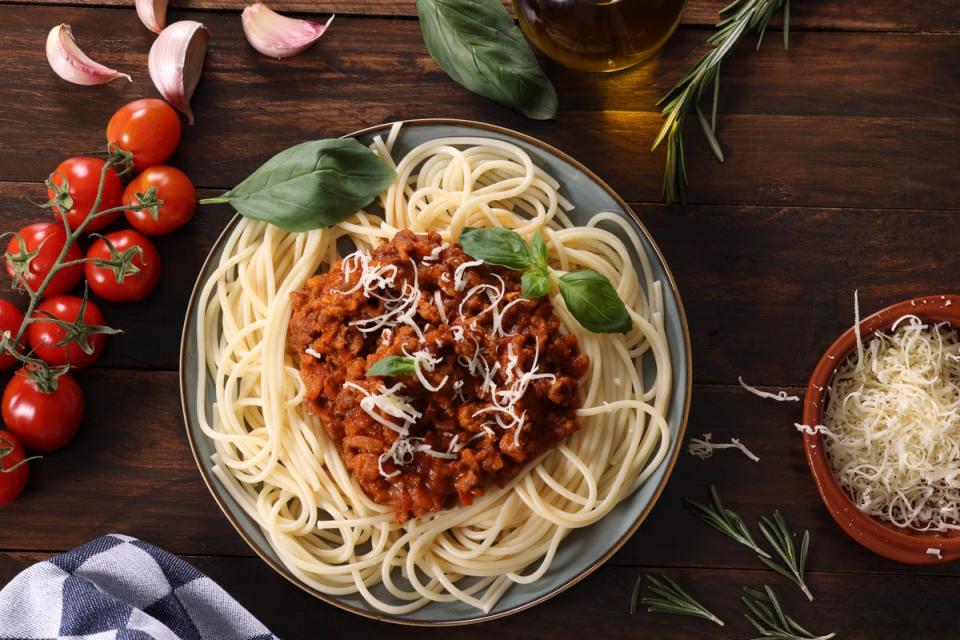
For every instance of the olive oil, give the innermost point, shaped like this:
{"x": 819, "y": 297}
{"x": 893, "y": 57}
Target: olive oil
{"x": 595, "y": 35}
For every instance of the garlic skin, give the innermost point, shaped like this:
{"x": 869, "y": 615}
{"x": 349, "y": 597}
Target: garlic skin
{"x": 70, "y": 63}
{"x": 153, "y": 14}
{"x": 278, "y": 36}
{"x": 176, "y": 60}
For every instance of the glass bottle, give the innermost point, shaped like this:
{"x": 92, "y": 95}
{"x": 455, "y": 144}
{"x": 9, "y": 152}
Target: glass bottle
{"x": 599, "y": 35}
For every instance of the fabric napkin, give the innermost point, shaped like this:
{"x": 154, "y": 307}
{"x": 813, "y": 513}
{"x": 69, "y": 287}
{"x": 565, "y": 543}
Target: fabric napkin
{"x": 120, "y": 588}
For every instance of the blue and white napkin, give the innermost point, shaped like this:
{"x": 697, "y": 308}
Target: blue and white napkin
{"x": 120, "y": 588}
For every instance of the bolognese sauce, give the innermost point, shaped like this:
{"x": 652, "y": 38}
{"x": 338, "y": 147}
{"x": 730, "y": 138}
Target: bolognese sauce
{"x": 488, "y": 382}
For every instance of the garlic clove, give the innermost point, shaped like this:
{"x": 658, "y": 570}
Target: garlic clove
{"x": 153, "y": 14}
{"x": 278, "y": 36}
{"x": 176, "y": 60}
{"x": 70, "y": 63}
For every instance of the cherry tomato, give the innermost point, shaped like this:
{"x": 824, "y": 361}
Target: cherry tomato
{"x": 42, "y": 336}
{"x": 178, "y": 195}
{"x": 147, "y": 128}
{"x": 12, "y": 480}
{"x": 83, "y": 176}
{"x": 10, "y": 320}
{"x": 49, "y": 238}
{"x": 42, "y": 421}
{"x": 103, "y": 280}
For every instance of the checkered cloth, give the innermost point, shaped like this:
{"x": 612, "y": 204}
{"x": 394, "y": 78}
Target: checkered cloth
{"x": 120, "y": 588}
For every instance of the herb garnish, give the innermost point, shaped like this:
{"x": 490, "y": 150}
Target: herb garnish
{"x": 589, "y": 296}
{"x": 477, "y": 43}
{"x": 769, "y": 618}
{"x": 774, "y": 529}
{"x": 393, "y": 366}
{"x": 671, "y": 599}
{"x": 311, "y": 185}
{"x": 778, "y": 535}
{"x": 724, "y": 520}
{"x": 744, "y": 16}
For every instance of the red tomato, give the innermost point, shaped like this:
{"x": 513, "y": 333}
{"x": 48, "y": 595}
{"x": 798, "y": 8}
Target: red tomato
{"x": 50, "y": 238}
{"x": 42, "y": 336}
{"x": 10, "y": 320}
{"x": 178, "y": 195}
{"x": 147, "y": 128}
{"x": 42, "y": 421}
{"x": 12, "y": 481}
{"x": 103, "y": 280}
{"x": 83, "y": 177}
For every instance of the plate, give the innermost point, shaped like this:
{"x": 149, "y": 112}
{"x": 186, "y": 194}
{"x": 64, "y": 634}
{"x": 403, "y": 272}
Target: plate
{"x": 584, "y": 550}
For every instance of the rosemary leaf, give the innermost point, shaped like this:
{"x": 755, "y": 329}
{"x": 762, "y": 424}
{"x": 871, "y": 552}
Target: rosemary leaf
{"x": 738, "y": 18}
{"x": 671, "y": 598}
{"x": 725, "y": 520}
{"x": 768, "y": 617}
{"x": 777, "y": 533}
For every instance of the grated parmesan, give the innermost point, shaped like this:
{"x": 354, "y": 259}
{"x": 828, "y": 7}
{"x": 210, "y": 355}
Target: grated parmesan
{"x": 780, "y": 396}
{"x": 703, "y": 448}
{"x": 892, "y": 426}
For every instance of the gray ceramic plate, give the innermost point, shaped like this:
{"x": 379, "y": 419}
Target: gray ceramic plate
{"x": 585, "y": 549}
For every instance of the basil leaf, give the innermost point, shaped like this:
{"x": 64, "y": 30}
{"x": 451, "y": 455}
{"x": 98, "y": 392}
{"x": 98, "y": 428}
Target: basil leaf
{"x": 540, "y": 257}
{"x": 311, "y": 185}
{"x": 536, "y": 283}
{"x": 479, "y": 46}
{"x": 594, "y": 302}
{"x": 504, "y": 247}
{"x": 393, "y": 366}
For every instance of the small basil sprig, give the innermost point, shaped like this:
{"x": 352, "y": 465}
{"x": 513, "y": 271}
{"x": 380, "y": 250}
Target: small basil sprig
{"x": 393, "y": 366}
{"x": 311, "y": 185}
{"x": 589, "y": 296}
{"x": 477, "y": 43}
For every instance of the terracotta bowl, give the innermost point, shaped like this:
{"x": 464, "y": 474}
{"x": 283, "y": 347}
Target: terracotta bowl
{"x": 892, "y": 542}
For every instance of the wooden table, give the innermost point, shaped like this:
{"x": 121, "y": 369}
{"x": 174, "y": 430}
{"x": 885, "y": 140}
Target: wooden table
{"x": 841, "y": 173}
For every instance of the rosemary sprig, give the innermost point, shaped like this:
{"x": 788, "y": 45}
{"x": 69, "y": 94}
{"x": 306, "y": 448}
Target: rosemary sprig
{"x": 670, "y": 599}
{"x": 778, "y": 535}
{"x": 768, "y": 617}
{"x": 725, "y": 520}
{"x": 742, "y": 17}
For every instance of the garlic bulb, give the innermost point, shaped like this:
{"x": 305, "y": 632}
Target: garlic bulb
{"x": 153, "y": 14}
{"x": 278, "y": 36}
{"x": 70, "y": 63}
{"x": 176, "y": 60}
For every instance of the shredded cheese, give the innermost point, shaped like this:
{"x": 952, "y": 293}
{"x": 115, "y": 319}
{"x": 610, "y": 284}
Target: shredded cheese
{"x": 780, "y": 396}
{"x": 460, "y": 273}
{"x": 703, "y": 448}
{"x": 892, "y": 426}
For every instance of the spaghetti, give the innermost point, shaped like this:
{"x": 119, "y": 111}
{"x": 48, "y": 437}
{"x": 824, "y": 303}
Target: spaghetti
{"x": 276, "y": 460}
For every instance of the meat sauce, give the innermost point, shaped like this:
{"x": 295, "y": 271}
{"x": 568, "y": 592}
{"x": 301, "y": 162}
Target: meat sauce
{"x": 501, "y": 380}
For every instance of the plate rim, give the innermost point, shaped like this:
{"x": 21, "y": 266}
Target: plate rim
{"x": 586, "y": 571}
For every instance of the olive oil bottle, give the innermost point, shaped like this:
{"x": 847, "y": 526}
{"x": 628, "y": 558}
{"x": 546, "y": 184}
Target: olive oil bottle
{"x": 599, "y": 35}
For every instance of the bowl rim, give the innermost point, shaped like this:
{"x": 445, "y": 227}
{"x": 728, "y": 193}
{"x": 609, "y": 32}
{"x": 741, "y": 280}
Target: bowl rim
{"x": 615, "y": 546}
{"x": 887, "y": 540}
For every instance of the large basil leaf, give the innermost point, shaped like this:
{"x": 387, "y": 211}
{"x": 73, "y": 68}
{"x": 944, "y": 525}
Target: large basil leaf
{"x": 311, "y": 185}
{"x": 495, "y": 245}
{"x": 594, "y": 302}
{"x": 393, "y": 366}
{"x": 479, "y": 46}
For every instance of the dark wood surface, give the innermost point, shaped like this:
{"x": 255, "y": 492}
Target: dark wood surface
{"x": 841, "y": 174}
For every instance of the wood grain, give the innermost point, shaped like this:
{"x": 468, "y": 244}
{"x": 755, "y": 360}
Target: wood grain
{"x": 600, "y": 605}
{"x": 130, "y": 471}
{"x": 792, "y": 123}
{"x": 936, "y": 16}
{"x": 766, "y": 289}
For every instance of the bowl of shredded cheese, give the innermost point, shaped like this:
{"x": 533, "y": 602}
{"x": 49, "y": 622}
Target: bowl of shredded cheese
{"x": 881, "y": 430}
